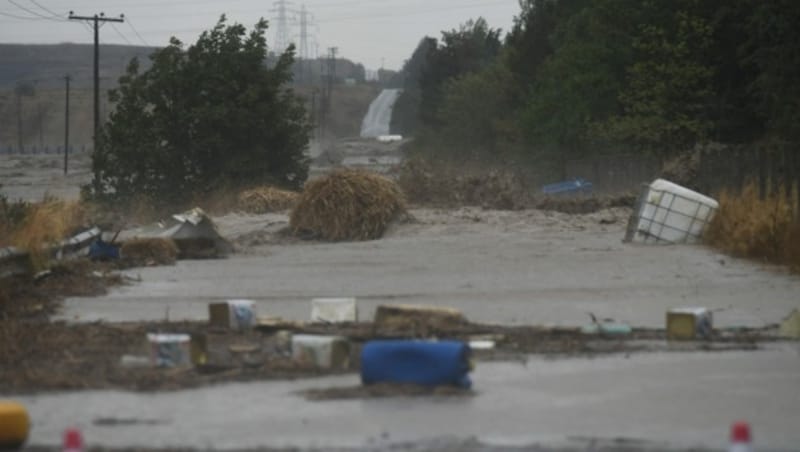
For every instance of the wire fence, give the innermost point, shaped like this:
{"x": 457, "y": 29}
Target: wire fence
{"x": 35, "y": 150}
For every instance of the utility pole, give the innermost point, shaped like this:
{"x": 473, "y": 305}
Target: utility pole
{"x": 18, "y": 92}
{"x": 66, "y": 126}
{"x": 96, "y": 21}
{"x": 327, "y": 89}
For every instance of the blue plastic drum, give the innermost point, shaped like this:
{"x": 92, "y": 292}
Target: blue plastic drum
{"x": 417, "y": 362}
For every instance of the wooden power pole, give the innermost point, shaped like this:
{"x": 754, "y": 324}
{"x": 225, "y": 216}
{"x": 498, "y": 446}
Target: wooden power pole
{"x": 66, "y": 126}
{"x": 96, "y": 21}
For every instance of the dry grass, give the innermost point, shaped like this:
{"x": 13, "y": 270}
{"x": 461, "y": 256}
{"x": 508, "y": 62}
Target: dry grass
{"x": 45, "y": 224}
{"x": 266, "y": 199}
{"x": 436, "y": 183}
{"x": 149, "y": 252}
{"x": 747, "y": 226}
{"x": 347, "y": 205}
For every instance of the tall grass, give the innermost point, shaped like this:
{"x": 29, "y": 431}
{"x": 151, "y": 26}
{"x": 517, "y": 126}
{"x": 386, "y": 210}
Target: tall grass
{"x": 765, "y": 229}
{"x": 45, "y": 224}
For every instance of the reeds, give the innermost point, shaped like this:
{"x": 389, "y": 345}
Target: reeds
{"x": 347, "y": 205}
{"x": 747, "y": 226}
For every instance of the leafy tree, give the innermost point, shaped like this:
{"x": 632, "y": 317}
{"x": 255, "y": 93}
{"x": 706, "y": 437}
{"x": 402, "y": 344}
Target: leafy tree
{"x": 578, "y": 85}
{"x": 668, "y": 90}
{"x": 773, "y": 52}
{"x": 213, "y": 114}
{"x": 469, "y": 49}
{"x": 405, "y": 114}
{"x": 530, "y": 41}
{"x": 475, "y": 113}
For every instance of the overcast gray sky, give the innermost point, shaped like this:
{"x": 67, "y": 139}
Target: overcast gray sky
{"x": 371, "y": 32}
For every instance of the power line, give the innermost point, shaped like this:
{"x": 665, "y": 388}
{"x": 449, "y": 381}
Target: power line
{"x": 34, "y": 12}
{"x": 55, "y": 14}
{"x": 119, "y": 33}
{"x": 13, "y": 16}
{"x": 130, "y": 24}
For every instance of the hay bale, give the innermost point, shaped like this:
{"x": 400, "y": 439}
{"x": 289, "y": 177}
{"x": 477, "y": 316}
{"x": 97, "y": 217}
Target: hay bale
{"x": 347, "y": 205}
{"x": 149, "y": 252}
{"x": 266, "y": 199}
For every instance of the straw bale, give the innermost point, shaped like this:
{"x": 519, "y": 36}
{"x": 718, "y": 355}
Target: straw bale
{"x": 266, "y": 199}
{"x": 148, "y": 252}
{"x": 347, "y": 205}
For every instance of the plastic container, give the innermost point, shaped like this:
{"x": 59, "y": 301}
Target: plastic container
{"x": 417, "y": 362}
{"x": 170, "y": 350}
{"x": 14, "y": 425}
{"x": 333, "y": 310}
{"x": 689, "y": 323}
{"x": 232, "y": 314}
{"x": 324, "y": 352}
{"x": 576, "y": 186}
{"x": 668, "y": 213}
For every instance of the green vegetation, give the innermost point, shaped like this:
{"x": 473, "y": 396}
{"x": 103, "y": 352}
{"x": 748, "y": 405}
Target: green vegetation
{"x": 577, "y": 78}
{"x": 211, "y": 116}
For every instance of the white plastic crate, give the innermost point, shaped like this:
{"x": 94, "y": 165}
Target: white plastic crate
{"x": 669, "y": 213}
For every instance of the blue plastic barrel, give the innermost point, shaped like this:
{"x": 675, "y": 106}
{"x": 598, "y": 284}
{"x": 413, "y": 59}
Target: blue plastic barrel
{"x": 417, "y": 362}
{"x": 568, "y": 187}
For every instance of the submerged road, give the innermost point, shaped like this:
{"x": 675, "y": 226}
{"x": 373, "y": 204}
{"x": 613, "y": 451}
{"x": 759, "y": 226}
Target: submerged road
{"x": 526, "y": 267}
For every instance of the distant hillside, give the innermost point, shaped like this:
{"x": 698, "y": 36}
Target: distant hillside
{"x": 43, "y": 67}
{"x": 48, "y": 64}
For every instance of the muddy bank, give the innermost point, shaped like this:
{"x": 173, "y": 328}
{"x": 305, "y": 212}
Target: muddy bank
{"x": 41, "y": 356}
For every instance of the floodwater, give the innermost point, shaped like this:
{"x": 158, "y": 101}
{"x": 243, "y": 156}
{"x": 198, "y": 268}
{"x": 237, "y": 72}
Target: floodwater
{"x": 663, "y": 401}
{"x": 379, "y": 115}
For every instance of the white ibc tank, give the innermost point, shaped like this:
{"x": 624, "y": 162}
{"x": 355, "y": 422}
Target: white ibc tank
{"x": 669, "y": 213}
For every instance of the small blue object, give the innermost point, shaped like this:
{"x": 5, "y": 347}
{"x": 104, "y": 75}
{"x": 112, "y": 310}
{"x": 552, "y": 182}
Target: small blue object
{"x": 103, "y": 251}
{"x": 578, "y": 185}
{"x": 417, "y": 362}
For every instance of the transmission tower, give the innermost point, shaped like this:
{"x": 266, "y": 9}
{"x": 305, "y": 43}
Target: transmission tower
{"x": 282, "y": 39}
{"x": 305, "y": 22}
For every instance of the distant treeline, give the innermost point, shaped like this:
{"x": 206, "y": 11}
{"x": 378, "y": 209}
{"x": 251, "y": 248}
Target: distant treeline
{"x": 581, "y": 78}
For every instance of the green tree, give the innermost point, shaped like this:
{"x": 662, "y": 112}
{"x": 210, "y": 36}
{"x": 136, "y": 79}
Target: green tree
{"x": 774, "y": 52}
{"x": 475, "y": 116}
{"x": 578, "y": 85}
{"x": 211, "y": 115}
{"x": 668, "y": 92}
{"x": 469, "y": 49}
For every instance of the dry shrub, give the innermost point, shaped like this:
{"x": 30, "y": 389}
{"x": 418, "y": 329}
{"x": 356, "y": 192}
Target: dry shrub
{"x": 426, "y": 182}
{"x": 747, "y": 226}
{"x": 266, "y": 199}
{"x": 347, "y": 205}
{"x": 149, "y": 252}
